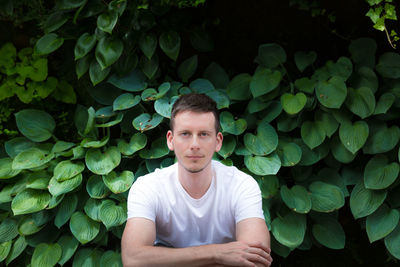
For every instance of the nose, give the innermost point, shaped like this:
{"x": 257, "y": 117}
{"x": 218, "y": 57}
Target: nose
{"x": 194, "y": 145}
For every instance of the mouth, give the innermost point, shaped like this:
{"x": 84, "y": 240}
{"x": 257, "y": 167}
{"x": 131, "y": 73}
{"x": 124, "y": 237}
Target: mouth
{"x": 194, "y": 157}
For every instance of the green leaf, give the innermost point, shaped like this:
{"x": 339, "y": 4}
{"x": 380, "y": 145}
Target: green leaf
{"x": 270, "y": 55}
{"x": 392, "y": 242}
{"x": 8, "y": 230}
{"x": 107, "y": 21}
{"x": 187, "y": 68}
{"x": 363, "y": 51}
{"x": 381, "y": 223}
{"x": 96, "y": 188}
{"x": 102, "y": 163}
{"x": 96, "y": 73}
{"x": 340, "y": 152}
{"x": 111, "y": 214}
{"x": 331, "y": 93}
{"x": 57, "y": 188}
{"x": 305, "y": 85}
{"x": 230, "y": 125}
{"x": 113, "y": 122}
{"x": 273, "y": 110}
{"x": 228, "y": 146}
{"x": 125, "y": 101}
{"x": 268, "y": 165}
{"x": 145, "y": 121}
{"x": 385, "y": 103}
{"x": 381, "y": 138}
{"x": 149, "y": 66}
{"x": 69, "y": 245}
{"x": 148, "y": 44}
{"x": 325, "y": 197}
{"x": 18, "y": 247}
{"x": 36, "y": 125}
{"x": 65, "y": 210}
{"x": 16, "y": 145}
{"x": 303, "y": 59}
{"x": 217, "y": 75}
{"x": 6, "y": 170}
{"x": 364, "y": 202}
{"x": 238, "y": 88}
{"x": 119, "y": 182}
{"x": 364, "y": 77}
{"x": 136, "y": 143}
{"x": 163, "y": 107}
{"x": 220, "y": 97}
{"x": 135, "y": 81}
{"x": 87, "y": 257}
{"x": 70, "y": 4}
{"x": 202, "y": 86}
{"x": 82, "y": 66}
{"x": 92, "y": 208}
{"x": 379, "y": 174}
{"x": 328, "y": 122}
{"x": 29, "y": 201}
{"x": 264, "y": 81}
{"x": 5, "y": 248}
{"x": 354, "y": 136}
{"x": 265, "y": 142}
{"x": 55, "y": 21}
{"x": 293, "y": 104}
{"x": 256, "y": 105}
{"x": 108, "y": 50}
{"x": 90, "y": 143}
{"x": 84, "y": 44}
{"x": 48, "y": 43}
{"x": 46, "y": 255}
{"x": 290, "y": 229}
{"x": 83, "y": 228}
{"x": 170, "y": 43}
{"x": 27, "y": 226}
{"x": 158, "y": 149}
{"x": 329, "y": 233}
{"x": 289, "y": 153}
{"x": 111, "y": 258}
{"x": 310, "y": 157}
{"x": 296, "y": 198}
{"x": 312, "y": 133}
{"x": 389, "y": 65}
{"x": 269, "y": 186}
{"x": 343, "y": 68}
{"x": 67, "y": 169}
{"x": 361, "y": 101}
{"x": 31, "y": 158}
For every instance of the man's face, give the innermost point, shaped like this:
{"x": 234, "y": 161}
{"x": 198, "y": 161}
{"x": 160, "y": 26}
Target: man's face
{"x": 194, "y": 140}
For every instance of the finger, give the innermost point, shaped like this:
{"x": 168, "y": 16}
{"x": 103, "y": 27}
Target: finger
{"x": 259, "y": 259}
{"x": 260, "y": 252}
{"x": 259, "y": 245}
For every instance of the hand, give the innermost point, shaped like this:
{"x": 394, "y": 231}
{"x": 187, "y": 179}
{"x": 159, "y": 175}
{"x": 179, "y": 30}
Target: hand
{"x": 243, "y": 254}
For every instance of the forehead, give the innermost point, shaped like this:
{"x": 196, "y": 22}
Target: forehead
{"x": 186, "y": 120}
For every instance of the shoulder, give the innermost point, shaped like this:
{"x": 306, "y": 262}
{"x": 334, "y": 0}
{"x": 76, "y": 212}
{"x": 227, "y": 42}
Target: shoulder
{"x": 158, "y": 178}
{"x": 232, "y": 175}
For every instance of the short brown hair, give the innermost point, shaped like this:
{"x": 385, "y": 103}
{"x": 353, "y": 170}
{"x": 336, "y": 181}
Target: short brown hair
{"x": 196, "y": 103}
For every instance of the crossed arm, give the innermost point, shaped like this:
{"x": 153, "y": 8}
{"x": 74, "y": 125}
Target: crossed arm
{"x": 252, "y": 247}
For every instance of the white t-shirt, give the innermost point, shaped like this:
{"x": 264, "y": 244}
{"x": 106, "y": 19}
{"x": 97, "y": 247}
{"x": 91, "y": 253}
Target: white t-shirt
{"x": 182, "y": 221}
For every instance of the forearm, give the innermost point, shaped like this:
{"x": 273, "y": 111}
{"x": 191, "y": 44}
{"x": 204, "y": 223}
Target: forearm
{"x": 162, "y": 256}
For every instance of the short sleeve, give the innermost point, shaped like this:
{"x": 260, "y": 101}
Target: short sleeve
{"x": 248, "y": 201}
{"x": 142, "y": 201}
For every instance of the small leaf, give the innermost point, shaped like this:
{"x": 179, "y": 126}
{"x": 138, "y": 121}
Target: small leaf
{"x": 111, "y": 214}
{"x": 108, "y": 51}
{"x": 125, "y": 101}
{"x": 354, "y": 136}
{"x": 107, "y": 21}
{"x": 388, "y": 65}
{"x": 385, "y": 103}
{"x": 312, "y": 133}
{"x": 268, "y": 165}
{"x": 230, "y": 125}
{"x": 289, "y": 153}
{"x": 228, "y": 146}
{"x": 97, "y": 73}
{"x": 270, "y": 55}
{"x": 145, "y": 121}
{"x": 331, "y": 93}
{"x": 238, "y": 88}
{"x": 187, "y": 68}
{"x": 303, "y": 59}
{"x": 264, "y": 81}
{"x": 379, "y": 173}
{"x": 290, "y": 229}
{"x": 69, "y": 245}
{"x": 170, "y": 43}
{"x": 8, "y": 230}
{"x": 293, "y": 104}
{"x": 36, "y": 125}
{"x": 67, "y": 169}
{"x": 296, "y": 198}
{"x": 48, "y": 43}
{"x": 57, "y": 188}
{"x": 392, "y": 242}
{"x": 84, "y": 44}
{"x": 148, "y": 45}
{"x": 361, "y": 101}
{"x": 18, "y": 247}
{"x": 265, "y": 142}
{"x": 326, "y": 197}
{"x": 65, "y": 210}
{"x": 158, "y": 149}
{"x": 96, "y": 188}
{"x": 329, "y": 233}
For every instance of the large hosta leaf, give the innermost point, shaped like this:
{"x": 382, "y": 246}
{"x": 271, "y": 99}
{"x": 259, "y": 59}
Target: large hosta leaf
{"x": 96, "y": 188}
{"x": 289, "y": 153}
{"x": 8, "y": 230}
{"x": 84, "y": 44}
{"x": 382, "y": 222}
{"x": 148, "y": 44}
{"x": 312, "y": 133}
{"x": 46, "y": 255}
{"x": 290, "y": 229}
{"x": 111, "y": 214}
{"x": 102, "y": 163}
{"x": 5, "y": 248}
{"x": 326, "y": 197}
{"x": 67, "y": 169}
{"x": 331, "y": 93}
{"x": 111, "y": 258}
{"x": 381, "y": 139}
{"x": 69, "y": 245}
{"x": 364, "y": 202}
{"x": 228, "y": 146}
{"x": 83, "y": 228}
{"x": 269, "y": 186}
{"x": 392, "y": 242}
{"x": 28, "y": 226}
{"x": 135, "y": 81}
{"x": 125, "y": 101}
{"x": 379, "y": 173}
{"x": 107, "y": 21}
{"x": 136, "y": 143}
{"x": 268, "y": 165}
{"x": 36, "y": 125}
{"x": 354, "y": 136}
{"x": 6, "y": 170}
{"x": 18, "y": 247}
{"x": 361, "y": 101}
{"x": 164, "y": 105}
{"x": 65, "y": 210}
{"x": 48, "y": 44}
{"x": 87, "y": 257}
{"x": 296, "y": 198}
{"x": 57, "y": 188}
{"x": 29, "y": 201}
{"x": 16, "y": 145}
{"x": 329, "y": 233}
{"x": 119, "y": 182}
{"x": 265, "y": 142}
{"x": 31, "y": 158}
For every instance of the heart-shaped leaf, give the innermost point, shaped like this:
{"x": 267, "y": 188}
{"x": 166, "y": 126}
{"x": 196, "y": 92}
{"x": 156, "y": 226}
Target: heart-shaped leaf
{"x": 328, "y": 122}
{"x": 16, "y": 145}
{"x": 303, "y": 59}
{"x": 111, "y": 258}
{"x": 296, "y": 198}
{"x": 57, "y": 188}
{"x": 238, "y": 88}
{"x": 379, "y": 174}
{"x": 270, "y": 55}
{"x": 145, "y": 121}
{"x": 382, "y": 222}
{"x": 364, "y": 202}
{"x": 164, "y": 105}
{"x": 65, "y": 210}
{"x": 135, "y": 81}
{"x": 83, "y": 228}
{"x": 97, "y": 73}
{"x": 268, "y": 165}
{"x": 69, "y": 245}
{"x": 111, "y": 214}
{"x": 305, "y": 85}
{"x": 264, "y": 81}
{"x": 36, "y": 125}
{"x": 108, "y": 50}
{"x": 228, "y": 146}
{"x": 329, "y": 232}
{"x": 84, "y": 44}
{"x": 136, "y": 143}
{"x": 217, "y": 75}
{"x": 265, "y": 142}
{"x": 385, "y": 102}
{"x": 187, "y": 68}
{"x": 31, "y": 158}
{"x": 331, "y": 93}
{"x": 17, "y": 248}
{"x": 48, "y": 44}
{"x": 230, "y": 125}
{"x": 293, "y": 104}
{"x": 102, "y": 163}
{"x": 170, "y": 43}
{"x": 289, "y": 153}
{"x": 354, "y": 136}
{"x": 96, "y": 188}
{"x": 158, "y": 149}
{"x": 381, "y": 139}
{"x": 67, "y": 169}
{"x": 312, "y": 133}
{"x": 290, "y": 229}
{"x": 389, "y": 66}
{"x": 340, "y": 152}
{"x": 325, "y": 197}
{"x": 361, "y": 101}
{"x": 148, "y": 44}
{"x": 343, "y": 68}
{"x": 6, "y": 170}
{"x": 119, "y": 182}
{"x": 149, "y": 66}
{"x": 82, "y": 66}
{"x": 125, "y": 101}
{"x": 107, "y": 21}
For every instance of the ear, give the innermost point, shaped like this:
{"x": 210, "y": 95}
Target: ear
{"x": 170, "y": 137}
{"x": 220, "y": 137}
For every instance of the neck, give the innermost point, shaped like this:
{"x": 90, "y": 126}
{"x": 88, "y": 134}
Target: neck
{"x": 195, "y": 184}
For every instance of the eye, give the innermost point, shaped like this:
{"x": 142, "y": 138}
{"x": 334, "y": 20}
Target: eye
{"x": 184, "y": 134}
{"x": 204, "y": 134}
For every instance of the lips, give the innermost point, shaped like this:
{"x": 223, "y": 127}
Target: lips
{"x": 195, "y": 156}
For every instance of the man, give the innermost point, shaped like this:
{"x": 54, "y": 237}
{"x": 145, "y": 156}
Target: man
{"x": 197, "y": 212}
